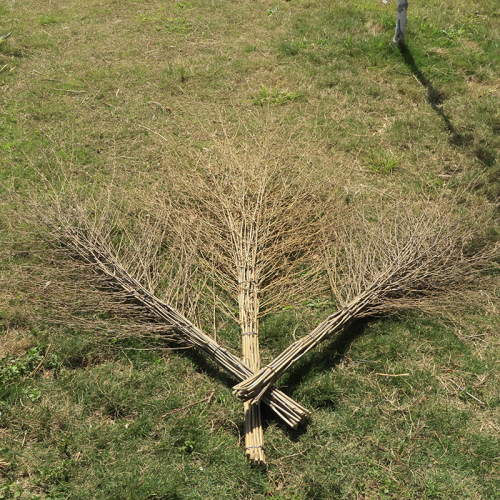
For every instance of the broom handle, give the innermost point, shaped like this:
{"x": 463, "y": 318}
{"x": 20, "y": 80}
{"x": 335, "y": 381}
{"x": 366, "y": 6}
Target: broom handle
{"x": 248, "y": 307}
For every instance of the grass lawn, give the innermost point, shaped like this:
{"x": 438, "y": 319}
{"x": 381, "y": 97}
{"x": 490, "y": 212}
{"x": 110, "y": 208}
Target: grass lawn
{"x": 404, "y": 407}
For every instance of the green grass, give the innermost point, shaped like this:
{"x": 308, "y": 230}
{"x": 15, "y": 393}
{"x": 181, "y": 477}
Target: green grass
{"x": 84, "y": 417}
{"x": 93, "y": 416}
{"x": 274, "y": 96}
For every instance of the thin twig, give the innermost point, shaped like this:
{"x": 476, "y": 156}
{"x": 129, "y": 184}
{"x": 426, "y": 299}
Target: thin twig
{"x": 4, "y": 37}
{"x": 177, "y": 410}
{"x": 102, "y": 392}
{"x": 180, "y": 348}
{"x": 153, "y": 132}
{"x": 72, "y": 91}
{"x": 468, "y": 393}
{"x": 39, "y": 364}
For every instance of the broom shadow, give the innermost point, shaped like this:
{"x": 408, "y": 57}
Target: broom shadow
{"x": 203, "y": 365}
{"x": 317, "y": 362}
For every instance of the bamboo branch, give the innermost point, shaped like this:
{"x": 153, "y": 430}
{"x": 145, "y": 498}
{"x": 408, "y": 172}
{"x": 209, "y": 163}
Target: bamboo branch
{"x": 426, "y": 258}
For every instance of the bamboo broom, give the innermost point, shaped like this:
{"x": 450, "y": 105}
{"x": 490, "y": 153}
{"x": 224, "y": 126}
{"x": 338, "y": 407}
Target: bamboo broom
{"x": 85, "y": 230}
{"x": 421, "y": 258}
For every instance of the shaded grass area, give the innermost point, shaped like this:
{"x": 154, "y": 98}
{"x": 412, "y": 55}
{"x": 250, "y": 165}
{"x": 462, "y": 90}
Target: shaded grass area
{"x": 86, "y": 89}
{"x": 102, "y": 418}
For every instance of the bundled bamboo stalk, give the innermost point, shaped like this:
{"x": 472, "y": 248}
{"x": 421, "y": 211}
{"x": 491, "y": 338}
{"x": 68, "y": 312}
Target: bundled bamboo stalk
{"x": 256, "y": 385}
{"x": 425, "y": 256}
{"x": 248, "y": 311}
{"x": 256, "y": 220}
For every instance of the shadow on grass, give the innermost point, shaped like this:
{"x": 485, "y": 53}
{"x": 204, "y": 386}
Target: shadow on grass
{"x": 327, "y": 358}
{"x": 318, "y": 362}
{"x": 484, "y": 154}
{"x": 204, "y": 365}
{"x": 434, "y": 96}
{"x": 435, "y": 99}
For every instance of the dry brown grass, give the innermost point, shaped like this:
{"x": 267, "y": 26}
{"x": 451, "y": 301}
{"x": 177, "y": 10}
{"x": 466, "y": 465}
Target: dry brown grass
{"x": 14, "y": 342}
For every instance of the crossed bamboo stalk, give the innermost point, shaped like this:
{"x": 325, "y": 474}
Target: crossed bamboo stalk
{"x": 396, "y": 283}
{"x": 250, "y": 228}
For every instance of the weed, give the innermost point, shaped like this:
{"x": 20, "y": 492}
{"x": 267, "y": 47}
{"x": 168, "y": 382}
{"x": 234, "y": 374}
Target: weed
{"x": 291, "y": 48}
{"x": 250, "y": 48}
{"x": 177, "y": 25}
{"x": 182, "y": 72}
{"x": 187, "y": 446}
{"x": 10, "y": 490}
{"x": 382, "y": 164}
{"x": 12, "y": 368}
{"x": 274, "y": 95}
{"x": 48, "y": 19}
{"x": 169, "y": 24}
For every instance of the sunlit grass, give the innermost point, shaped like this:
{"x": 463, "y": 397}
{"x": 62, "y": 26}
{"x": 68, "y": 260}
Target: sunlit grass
{"x": 90, "y": 89}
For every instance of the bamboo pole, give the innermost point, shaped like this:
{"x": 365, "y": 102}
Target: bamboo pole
{"x": 399, "y": 36}
{"x": 248, "y": 301}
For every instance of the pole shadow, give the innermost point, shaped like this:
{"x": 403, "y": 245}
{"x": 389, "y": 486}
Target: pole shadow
{"x": 434, "y": 97}
{"x": 486, "y": 155}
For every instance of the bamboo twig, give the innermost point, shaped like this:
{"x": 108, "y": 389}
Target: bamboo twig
{"x": 177, "y": 410}
{"x": 468, "y": 393}
{"x": 72, "y": 91}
